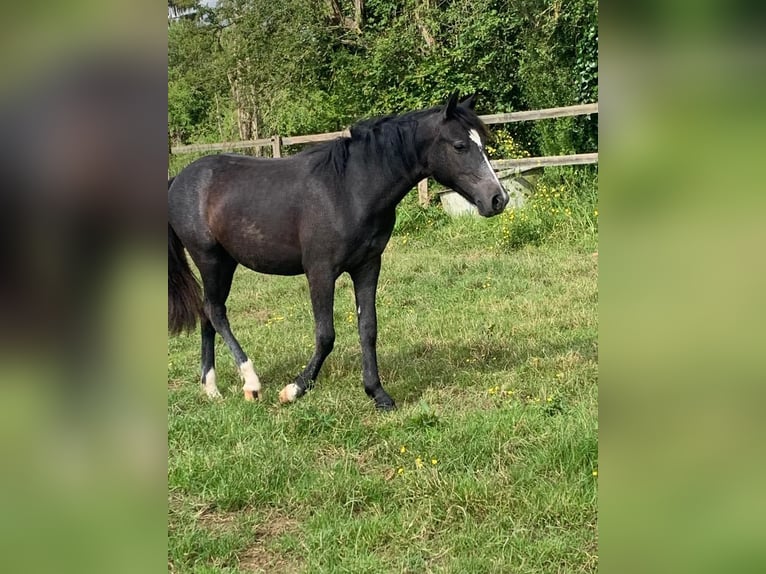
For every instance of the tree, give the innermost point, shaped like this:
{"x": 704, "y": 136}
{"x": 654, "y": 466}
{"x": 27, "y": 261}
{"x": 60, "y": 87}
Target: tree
{"x": 301, "y": 66}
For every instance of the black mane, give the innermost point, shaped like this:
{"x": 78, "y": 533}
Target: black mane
{"x": 389, "y": 140}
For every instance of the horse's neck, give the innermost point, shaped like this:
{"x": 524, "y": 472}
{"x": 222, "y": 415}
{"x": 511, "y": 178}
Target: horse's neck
{"x": 384, "y": 192}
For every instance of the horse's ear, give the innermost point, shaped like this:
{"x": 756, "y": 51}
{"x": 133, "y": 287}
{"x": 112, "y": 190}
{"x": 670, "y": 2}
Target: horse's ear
{"x": 449, "y": 108}
{"x": 469, "y": 102}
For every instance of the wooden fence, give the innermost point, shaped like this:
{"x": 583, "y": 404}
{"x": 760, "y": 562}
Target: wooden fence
{"x": 506, "y": 165}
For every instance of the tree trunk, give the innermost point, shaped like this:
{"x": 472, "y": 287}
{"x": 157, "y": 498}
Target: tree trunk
{"x": 218, "y": 118}
{"x": 423, "y": 8}
{"x": 338, "y": 19}
{"x": 243, "y": 120}
{"x": 359, "y": 14}
{"x": 246, "y": 105}
{"x": 254, "y": 120}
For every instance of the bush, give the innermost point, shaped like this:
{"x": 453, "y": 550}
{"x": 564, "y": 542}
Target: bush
{"x": 564, "y": 206}
{"x": 504, "y": 146}
{"x": 413, "y": 219}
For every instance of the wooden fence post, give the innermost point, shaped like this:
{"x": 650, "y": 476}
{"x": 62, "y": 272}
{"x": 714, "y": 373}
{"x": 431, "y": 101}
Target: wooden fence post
{"x": 276, "y": 146}
{"x": 423, "y": 192}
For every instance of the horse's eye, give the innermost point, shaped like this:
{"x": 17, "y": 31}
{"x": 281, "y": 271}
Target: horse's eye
{"x": 460, "y": 146}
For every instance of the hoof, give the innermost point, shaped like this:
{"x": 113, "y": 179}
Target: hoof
{"x": 209, "y": 386}
{"x": 289, "y": 393}
{"x": 386, "y": 404}
{"x": 252, "y": 386}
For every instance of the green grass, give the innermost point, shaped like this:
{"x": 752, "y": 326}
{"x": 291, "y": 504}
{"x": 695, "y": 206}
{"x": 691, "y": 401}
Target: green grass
{"x": 491, "y": 355}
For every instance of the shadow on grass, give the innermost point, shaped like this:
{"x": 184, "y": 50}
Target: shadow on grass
{"x": 436, "y": 364}
{"x": 408, "y": 373}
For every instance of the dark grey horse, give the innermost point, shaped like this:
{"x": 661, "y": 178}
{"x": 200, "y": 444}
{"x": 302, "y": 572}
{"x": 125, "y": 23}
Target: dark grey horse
{"x": 322, "y": 212}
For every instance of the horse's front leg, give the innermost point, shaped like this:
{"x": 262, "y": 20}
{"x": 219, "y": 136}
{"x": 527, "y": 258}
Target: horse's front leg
{"x": 322, "y": 288}
{"x": 365, "y": 280}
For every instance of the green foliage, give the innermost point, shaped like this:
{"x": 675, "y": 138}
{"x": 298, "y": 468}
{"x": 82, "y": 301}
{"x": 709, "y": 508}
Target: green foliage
{"x": 413, "y": 219}
{"x": 311, "y": 112}
{"x": 504, "y": 146}
{"x": 186, "y": 109}
{"x": 558, "y": 65}
{"x": 564, "y": 205}
{"x": 295, "y": 68}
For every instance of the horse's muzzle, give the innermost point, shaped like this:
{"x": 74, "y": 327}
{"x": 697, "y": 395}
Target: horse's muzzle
{"x": 499, "y": 201}
{"x": 494, "y": 206}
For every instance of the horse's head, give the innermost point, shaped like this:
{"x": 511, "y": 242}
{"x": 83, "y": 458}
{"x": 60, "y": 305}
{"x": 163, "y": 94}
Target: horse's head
{"x": 457, "y": 159}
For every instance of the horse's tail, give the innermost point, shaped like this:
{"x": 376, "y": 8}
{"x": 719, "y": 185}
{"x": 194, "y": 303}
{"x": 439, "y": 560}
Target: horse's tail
{"x": 184, "y": 293}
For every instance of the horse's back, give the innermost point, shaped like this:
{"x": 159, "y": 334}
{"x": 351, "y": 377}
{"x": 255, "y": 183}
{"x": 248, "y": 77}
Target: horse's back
{"x": 245, "y": 205}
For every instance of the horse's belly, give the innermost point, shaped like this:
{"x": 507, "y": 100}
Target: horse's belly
{"x": 259, "y": 245}
{"x": 272, "y": 260}
{"x": 267, "y": 257}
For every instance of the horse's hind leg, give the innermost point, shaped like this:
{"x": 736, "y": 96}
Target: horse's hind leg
{"x": 217, "y": 271}
{"x": 208, "y": 358}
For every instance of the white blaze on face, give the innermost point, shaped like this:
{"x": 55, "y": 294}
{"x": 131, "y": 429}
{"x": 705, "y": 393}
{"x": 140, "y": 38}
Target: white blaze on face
{"x": 475, "y": 138}
{"x": 211, "y": 389}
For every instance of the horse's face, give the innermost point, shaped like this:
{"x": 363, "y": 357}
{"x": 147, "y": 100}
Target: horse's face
{"x": 458, "y": 160}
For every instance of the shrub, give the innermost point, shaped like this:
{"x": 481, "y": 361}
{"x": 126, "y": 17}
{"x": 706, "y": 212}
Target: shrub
{"x": 504, "y": 146}
{"x": 564, "y": 205}
{"x": 412, "y": 218}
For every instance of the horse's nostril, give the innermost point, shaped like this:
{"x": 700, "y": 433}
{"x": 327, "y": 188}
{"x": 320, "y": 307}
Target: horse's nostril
{"x": 497, "y": 202}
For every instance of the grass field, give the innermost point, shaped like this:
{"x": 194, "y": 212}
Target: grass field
{"x": 488, "y": 465}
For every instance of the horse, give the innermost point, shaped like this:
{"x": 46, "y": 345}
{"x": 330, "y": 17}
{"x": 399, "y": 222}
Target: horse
{"x": 325, "y": 211}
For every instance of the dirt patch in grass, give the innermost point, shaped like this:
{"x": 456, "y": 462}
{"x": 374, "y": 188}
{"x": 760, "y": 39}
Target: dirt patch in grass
{"x": 215, "y": 520}
{"x": 260, "y": 556}
{"x": 259, "y": 315}
{"x": 366, "y": 461}
{"x": 176, "y": 384}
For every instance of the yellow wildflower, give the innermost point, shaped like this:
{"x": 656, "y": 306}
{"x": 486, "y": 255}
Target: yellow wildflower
{"x": 418, "y": 462}
{"x": 434, "y": 461}
{"x": 402, "y": 449}
{"x": 595, "y": 473}
{"x": 400, "y": 470}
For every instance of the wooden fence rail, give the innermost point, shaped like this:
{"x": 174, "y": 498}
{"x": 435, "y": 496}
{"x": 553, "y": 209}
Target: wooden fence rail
{"x": 526, "y": 163}
{"x": 514, "y": 165}
{"x": 511, "y": 117}
{"x": 567, "y": 111}
{"x": 194, "y": 148}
